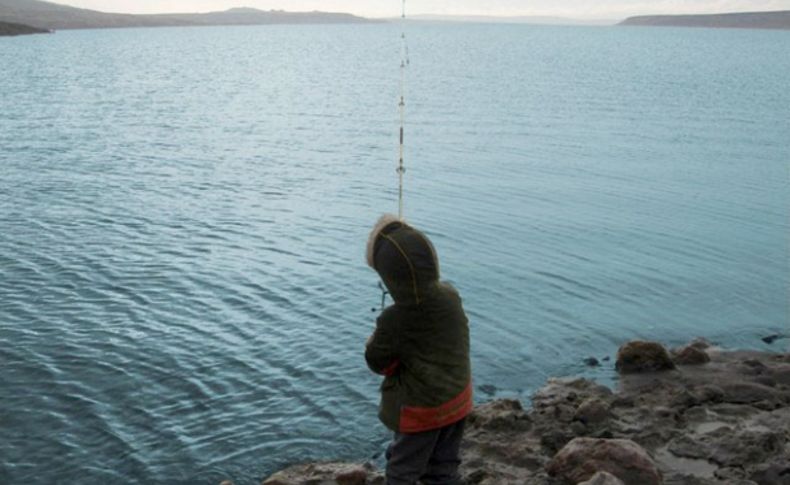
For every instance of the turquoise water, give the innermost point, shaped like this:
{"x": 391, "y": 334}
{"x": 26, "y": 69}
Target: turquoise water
{"x": 183, "y": 295}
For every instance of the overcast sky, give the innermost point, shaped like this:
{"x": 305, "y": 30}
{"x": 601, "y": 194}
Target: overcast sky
{"x": 384, "y": 8}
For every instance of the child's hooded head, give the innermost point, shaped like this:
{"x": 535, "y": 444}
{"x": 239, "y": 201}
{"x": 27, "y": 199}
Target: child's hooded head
{"x": 404, "y": 258}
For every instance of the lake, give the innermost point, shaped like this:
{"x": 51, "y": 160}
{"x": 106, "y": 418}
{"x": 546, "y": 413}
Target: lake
{"x": 183, "y": 215}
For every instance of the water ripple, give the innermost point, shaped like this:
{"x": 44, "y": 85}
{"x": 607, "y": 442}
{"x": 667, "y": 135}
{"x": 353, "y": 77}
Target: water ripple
{"x": 183, "y": 297}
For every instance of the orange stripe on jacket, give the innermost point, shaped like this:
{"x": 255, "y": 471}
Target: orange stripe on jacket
{"x": 415, "y": 420}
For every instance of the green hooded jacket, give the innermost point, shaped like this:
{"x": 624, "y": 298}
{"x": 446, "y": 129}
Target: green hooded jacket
{"x": 421, "y": 343}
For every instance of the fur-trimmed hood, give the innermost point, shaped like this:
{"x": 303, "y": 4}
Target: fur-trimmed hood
{"x": 404, "y": 258}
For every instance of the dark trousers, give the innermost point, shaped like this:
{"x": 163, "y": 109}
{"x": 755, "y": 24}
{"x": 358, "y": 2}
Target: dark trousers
{"x": 431, "y": 457}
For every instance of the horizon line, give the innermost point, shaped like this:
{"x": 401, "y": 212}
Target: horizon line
{"x": 481, "y": 16}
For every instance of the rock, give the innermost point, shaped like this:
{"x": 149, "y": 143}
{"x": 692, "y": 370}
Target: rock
{"x": 683, "y": 399}
{"x": 700, "y": 343}
{"x": 603, "y": 478}
{"x": 772, "y": 338}
{"x": 554, "y": 440}
{"x": 326, "y": 473}
{"x": 592, "y": 411}
{"x": 772, "y": 473}
{"x": 729, "y": 447}
{"x": 708, "y": 394}
{"x": 727, "y": 422}
{"x": 781, "y": 375}
{"x": 591, "y": 362}
{"x": 352, "y": 476}
{"x": 748, "y": 392}
{"x": 753, "y": 367}
{"x": 580, "y": 459}
{"x": 487, "y": 389}
{"x": 578, "y": 428}
{"x": 500, "y": 415}
{"x": 225, "y": 482}
{"x": 690, "y": 355}
{"x": 745, "y": 447}
{"x": 641, "y": 356}
{"x": 568, "y": 392}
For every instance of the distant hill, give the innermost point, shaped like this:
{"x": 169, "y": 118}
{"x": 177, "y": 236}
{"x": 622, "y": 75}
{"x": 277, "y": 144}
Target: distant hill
{"x": 8, "y": 29}
{"x": 252, "y": 16}
{"x": 751, "y": 20}
{"x": 53, "y": 16}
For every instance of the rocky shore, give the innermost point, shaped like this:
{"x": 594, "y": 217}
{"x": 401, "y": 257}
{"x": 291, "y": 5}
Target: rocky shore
{"x": 11, "y": 29}
{"x": 696, "y": 415}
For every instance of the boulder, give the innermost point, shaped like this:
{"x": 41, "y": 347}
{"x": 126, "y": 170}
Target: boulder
{"x": 690, "y": 355}
{"x": 592, "y": 411}
{"x": 603, "y": 478}
{"x": 640, "y": 356}
{"x": 582, "y": 458}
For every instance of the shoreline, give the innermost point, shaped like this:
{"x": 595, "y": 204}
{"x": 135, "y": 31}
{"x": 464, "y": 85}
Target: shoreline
{"x": 696, "y": 415}
{"x": 11, "y": 29}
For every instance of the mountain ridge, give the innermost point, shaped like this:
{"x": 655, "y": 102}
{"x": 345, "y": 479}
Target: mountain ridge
{"x": 779, "y": 19}
{"x": 8, "y": 29}
{"x": 54, "y": 16}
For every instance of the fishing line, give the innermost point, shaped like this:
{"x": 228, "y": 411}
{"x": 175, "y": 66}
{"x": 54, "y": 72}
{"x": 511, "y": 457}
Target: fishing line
{"x": 404, "y": 62}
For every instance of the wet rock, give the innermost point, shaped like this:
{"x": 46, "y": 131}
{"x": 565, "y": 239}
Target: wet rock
{"x": 487, "y": 389}
{"x": 745, "y": 447}
{"x": 327, "y": 473}
{"x": 500, "y": 415}
{"x": 568, "y": 392}
{"x": 708, "y": 394}
{"x": 700, "y": 344}
{"x": 603, "y": 478}
{"x": 730, "y": 448}
{"x": 591, "y": 362}
{"x": 578, "y": 428}
{"x": 748, "y": 392}
{"x": 781, "y": 375}
{"x": 554, "y": 440}
{"x": 777, "y": 473}
{"x": 592, "y": 411}
{"x": 753, "y": 367}
{"x": 690, "y": 355}
{"x": 640, "y": 356}
{"x": 772, "y": 338}
{"x": 683, "y": 399}
{"x": 580, "y": 459}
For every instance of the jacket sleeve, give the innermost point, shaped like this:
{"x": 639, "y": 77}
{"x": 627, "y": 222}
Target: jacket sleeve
{"x": 381, "y": 351}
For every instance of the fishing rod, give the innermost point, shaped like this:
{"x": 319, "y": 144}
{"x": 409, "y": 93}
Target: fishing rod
{"x": 401, "y": 170}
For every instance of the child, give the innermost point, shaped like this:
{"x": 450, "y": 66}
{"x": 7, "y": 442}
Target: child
{"x": 421, "y": 346}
